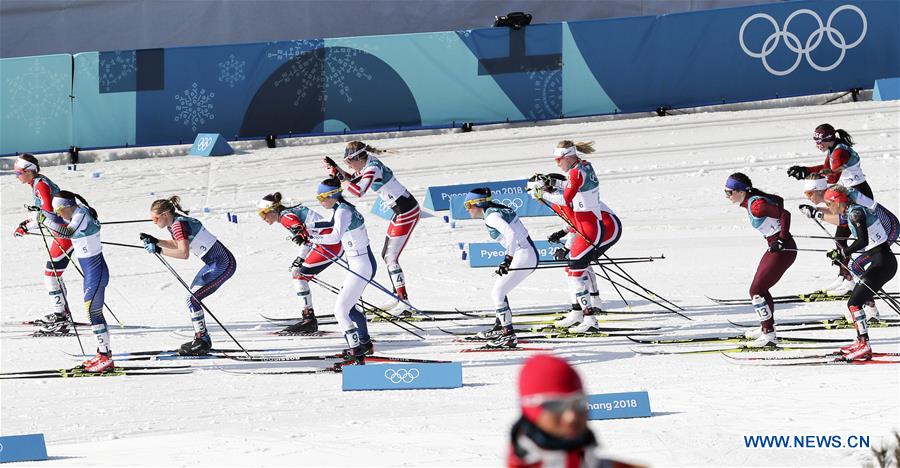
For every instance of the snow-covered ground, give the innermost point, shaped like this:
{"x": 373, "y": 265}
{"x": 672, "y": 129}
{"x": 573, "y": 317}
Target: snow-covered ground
{"x": 663, "y": 176}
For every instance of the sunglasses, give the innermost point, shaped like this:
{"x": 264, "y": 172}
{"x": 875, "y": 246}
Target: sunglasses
{"x": 576, "y": 403}
{"x": 469, "y": 204}
{"x": 729, "y": 192}
{"x": 18, "y": 173}
{"x": 263, "y": 212}
{"x": 325, "y": 195}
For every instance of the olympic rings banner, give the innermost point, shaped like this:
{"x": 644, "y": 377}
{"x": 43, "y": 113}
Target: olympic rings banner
{"x": 442, "y": 79}
{"x": 402, "y": 376}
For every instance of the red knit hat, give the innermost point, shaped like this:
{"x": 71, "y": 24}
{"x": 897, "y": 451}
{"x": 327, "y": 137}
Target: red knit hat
{"x": 545, "y": 377}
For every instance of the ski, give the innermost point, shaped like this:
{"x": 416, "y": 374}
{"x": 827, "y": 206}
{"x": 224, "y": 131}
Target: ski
{"x": 814, "y": 361}
{"x": 163, "y": 352}
{"x": 325, "y": 370}
{"x": 805, "y": 356}
{"x": 76, "y": 368}
{"x": 324, "y": 357}
{"x": 820, "y": 324}
{"x": 562, "y": 333}
{"x": 817, "y": 296}
{"x": 732, "y": 349}
{"x": 78, "y": 371}
{"x": 730, "y": 339}
{"x": 485, "y": 349}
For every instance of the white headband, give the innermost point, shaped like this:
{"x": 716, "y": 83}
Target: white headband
{"x": 354, "y": 155}
{"x": 815, "y": 185}
{"x": 59, "y": 202}
{"x": 563, "y": 152}
{"x": 25, "y": 165}
{"x": 265, "y": 205}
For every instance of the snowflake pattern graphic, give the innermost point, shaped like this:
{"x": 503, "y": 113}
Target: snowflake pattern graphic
{"x": 547, "y": 94}
{"x": 286, "y": 50}
{"x": 194, "y": 106}
{"x": 337, "y": 65}
{"x": 231, "y": 71}
{"x": 451, "y": 39}
{"x": 115, "y": 67}
{"x": 36, "y": 96}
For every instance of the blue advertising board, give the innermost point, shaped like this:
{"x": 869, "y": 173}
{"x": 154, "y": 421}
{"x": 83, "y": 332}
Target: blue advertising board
{"x": 490, "y": 254}
{"x": 619, "y": 405}
{"x": 402, "y": 376}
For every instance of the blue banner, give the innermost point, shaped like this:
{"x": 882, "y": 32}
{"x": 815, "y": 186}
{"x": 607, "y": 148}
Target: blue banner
{"x": 402, "y": 376}
{"x": 523, "y": 205}
{"x": 442, "y": 79}
{"x": 490, "y": 254}
{"x": 619, "y": 405}
{"x": 30, "y": 447}
{"x": 438, "y": 198}
{"x": 210, "y": 144}
{"x": 382, "y": 210}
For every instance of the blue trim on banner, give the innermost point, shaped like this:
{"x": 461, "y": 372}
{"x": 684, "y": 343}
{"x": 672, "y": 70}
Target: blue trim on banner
{"x": 29, "y": 447}
{"x": 619, "y": 405}
{"x": 490, "y": 254}
{"x": 402, "y": 376}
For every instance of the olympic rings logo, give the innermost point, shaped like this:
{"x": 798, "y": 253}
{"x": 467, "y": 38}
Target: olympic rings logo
{"x": 397, "y": 376}
{"x": 812, "y": 42}
{"x": 204, "y": 143}
{"x": 514, "y": 203}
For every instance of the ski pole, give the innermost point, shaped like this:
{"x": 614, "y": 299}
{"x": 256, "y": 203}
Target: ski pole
{"x": 892, "y": 303}
{"x": 129, "y": 221}
{"x": 550, "y": 266}
{"x": 174, "y": 273}
{"x": 623, "y": 272}
{"x": 61, "y": 289}
{"x": 374, "y": 310}
{"x": 606, "y": 275}
{"x": 103, "y": 242}
{"x": 645, "y": 297}
{"x": 335, "y": 259}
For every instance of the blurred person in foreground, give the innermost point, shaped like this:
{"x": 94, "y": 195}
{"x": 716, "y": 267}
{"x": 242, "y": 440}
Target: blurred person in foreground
{"x": 552, "y": 431}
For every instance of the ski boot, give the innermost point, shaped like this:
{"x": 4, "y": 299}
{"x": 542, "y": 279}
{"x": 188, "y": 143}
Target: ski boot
{"x": 305, "y": 326}
{"x": 834, "y": 284}
{"x": 51, "y": 319}
{"x": 842, "y": 290}
{"x": 574, "y": 316}
{"x": 367, "y": 349}
{"x": 858, "y": 351}
{"x": 587, "y": 324}
{"x": 201, "y": 346}
{"x": 871, "y": 311}
{"x": 507, "y": 339}
{"x": 491, "y": 334}
{"x": 100, "y": 363}
{"x": 764, "y": 340}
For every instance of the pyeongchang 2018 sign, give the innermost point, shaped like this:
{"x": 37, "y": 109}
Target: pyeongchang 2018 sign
{"x": 804, "y": 35}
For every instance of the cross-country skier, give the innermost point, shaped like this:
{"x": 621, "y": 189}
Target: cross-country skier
{"x": 875, "y": 266}
{"x": 190, "y": 237}
{"x": 27, "y": 170}
{"x": 348, "y": 227}
{"x": 310, "y": 260}
{"x": 83, "y": 229}
{"x": 370, "y": 173}
{"x": 814, "y": 187}
{"x": 768, "y": 216}
{"x": 816, "y": 194}
{"x": 595, "y": 228}
{"x": 519, "y": 262}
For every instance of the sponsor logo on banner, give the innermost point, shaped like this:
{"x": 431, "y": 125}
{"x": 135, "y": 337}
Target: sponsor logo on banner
{"x": 804, "y": 48}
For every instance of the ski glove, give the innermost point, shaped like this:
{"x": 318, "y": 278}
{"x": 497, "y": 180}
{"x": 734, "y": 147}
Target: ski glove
{"x": 301, "y": 236}
{"x": 332, "y": 168}
{"x": 150, "y": 243}
{"x": 557, "y": 236}
{"x": 21, "y": 230}
{"x": 777, "y": 246}
{"x": 811, "y": 212}
{"x": 836, "y": 256}
{"x": 561, "y": 254}
{"x": 504, "y": 267}
{"x": 798, "y": 172}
